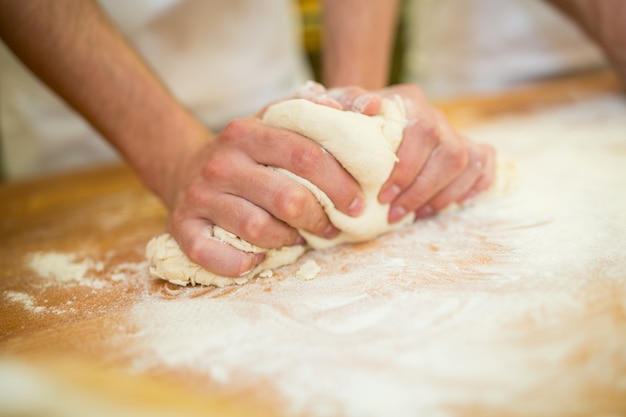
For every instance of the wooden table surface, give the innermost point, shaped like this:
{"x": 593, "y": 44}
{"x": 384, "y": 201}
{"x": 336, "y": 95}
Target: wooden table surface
{"x": 80, "y": 317}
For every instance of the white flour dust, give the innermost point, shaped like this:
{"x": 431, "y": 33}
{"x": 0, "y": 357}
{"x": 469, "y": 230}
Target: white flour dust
{"x": 58, "y": 270}
{"x": 27, "y": 301}
{"x": 65, "y": 268}
{"x": 480, "y": 306}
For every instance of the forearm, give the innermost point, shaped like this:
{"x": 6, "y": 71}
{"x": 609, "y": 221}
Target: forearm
{"x": 75, "y": 50}
{"x": 605, "y": 22}
{"x": 358, "y": 40}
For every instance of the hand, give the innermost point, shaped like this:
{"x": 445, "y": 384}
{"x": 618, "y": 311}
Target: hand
{"x": 436, "y": 165}
{"x": 352, "y": 98}
{"x": 228, "y": 182}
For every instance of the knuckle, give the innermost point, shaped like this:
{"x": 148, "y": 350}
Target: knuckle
{"x": 307, "y": 160}
{"x": 217, "y": 168}
{"x": 253, "y": 227}
{"x": 456, "y": 157}
{"x": 194, "y": 193}
{"x": 291, "y": 204}
{"x": 235, "y": 129}
{"x": 319, "y": 225}
{"x": 195, "y": 250}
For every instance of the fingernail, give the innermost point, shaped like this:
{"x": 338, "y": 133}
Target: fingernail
{"x": 361, "y": 102}
{"x": 396, "y": 213}
{"x": 258, "y": 258}
{"x": 356, "y": 207}
{"x": 331, "y": 231}
{"x": 389, "y": 193}
{"x": 471, "y": 194}
{"x": 424, "y": 211}
{"x": 300, "y": 241}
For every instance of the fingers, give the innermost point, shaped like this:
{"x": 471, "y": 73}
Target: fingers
{"x": 196, "y": 240}
{"x": 458, "y": 189}
{"x": 487, "y": 157}
{"x": 354, "y": 99}
{"x": 250, "y": 222}
{"x": 280, "y": 148}
{"x": 445, "y": 164}
{"x": 420, "y": 139}
{"x": 357, "y": 99}
{"x": 283, "y": 202}
{"x": 453, "y": 173}
{"x": 317, "y": 93}
{"x": 232, "y": 182}
{"x": 436, "y": 166}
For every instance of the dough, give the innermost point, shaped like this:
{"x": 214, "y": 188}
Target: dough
{"x": 168, "y": 262}
{"x": 365, "y": 145}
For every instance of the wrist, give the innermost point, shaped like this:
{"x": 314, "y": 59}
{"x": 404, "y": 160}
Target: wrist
{"x": 164, "y": 164}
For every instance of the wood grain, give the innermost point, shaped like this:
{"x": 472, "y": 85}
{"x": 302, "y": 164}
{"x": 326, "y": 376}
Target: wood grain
{"x": 80, "y": 337}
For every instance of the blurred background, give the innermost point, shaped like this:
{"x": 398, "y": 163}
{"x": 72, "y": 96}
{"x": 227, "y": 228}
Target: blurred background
{"x": 449, "y": 48}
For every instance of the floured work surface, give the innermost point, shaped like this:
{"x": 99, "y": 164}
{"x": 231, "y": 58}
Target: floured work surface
{"x": 516, "y": 306}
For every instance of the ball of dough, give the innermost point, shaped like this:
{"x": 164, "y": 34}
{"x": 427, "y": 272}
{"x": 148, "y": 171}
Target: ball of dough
{"x": 364, "y": 145}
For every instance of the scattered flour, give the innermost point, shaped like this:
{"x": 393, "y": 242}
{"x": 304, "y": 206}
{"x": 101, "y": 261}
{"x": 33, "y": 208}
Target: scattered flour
{"x": 480, "y": 306}
{"x": 27, "y": 301}
{"x": 64, "y": 268}
{"x": 121, "y": 272}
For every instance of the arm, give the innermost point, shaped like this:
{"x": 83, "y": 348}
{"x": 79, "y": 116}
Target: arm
{"x": 358, "y": 40}
{"x": 73, "y": 48}
{"x": 204, "y": 179}
{"x": 605, "y": 22}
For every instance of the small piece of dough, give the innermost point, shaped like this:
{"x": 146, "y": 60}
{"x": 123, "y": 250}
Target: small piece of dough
{"x": 364, "y": 145}
{"x": 308, "y": 271}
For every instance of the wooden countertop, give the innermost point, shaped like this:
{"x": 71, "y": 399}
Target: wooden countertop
{"x": 76, "y": 305}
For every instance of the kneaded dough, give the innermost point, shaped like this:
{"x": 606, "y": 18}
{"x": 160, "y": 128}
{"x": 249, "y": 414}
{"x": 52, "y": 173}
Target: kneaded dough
{"x": 168, "y": 262}
{"x": 364, "y": 145}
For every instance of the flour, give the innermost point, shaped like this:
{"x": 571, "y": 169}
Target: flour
{"x": 59, "y": 270}
{"x": 26, "y": 300}
{"x": 64, "y": 268}
{"x": 479, "y": 306}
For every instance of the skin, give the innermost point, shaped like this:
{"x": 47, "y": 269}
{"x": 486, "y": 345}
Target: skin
{"x": 72, "y": 47}
{"x": 604, "y": 22}
{"x": 436, "y": 165}
{"x": 208, "y": 178}
{"x": 358, "y": 42}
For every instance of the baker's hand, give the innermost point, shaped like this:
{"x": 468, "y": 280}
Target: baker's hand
{"x": 436, "y": 165}
{"x": 228, "y": 182}
{"x": 351, "y": 98}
